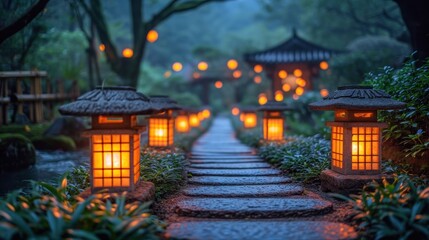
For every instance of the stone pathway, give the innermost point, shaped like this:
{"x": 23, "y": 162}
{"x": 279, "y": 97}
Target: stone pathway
{"x": 233, "y": 194}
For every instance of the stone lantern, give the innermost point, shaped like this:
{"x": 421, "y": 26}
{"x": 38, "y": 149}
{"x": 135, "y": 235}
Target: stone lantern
{"x": 161, "y": 125}
{"x": 273, "y": 120}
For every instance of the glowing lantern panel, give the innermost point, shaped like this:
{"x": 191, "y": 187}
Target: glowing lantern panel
{"x": 250, "y": 120}
{"x": 273, "y": 126}
{"x": 177, "y": 67}
{"x": 182, "y": 123}
{"x": 152, "y": 36}
{"x": 161, "y": 131}
{"x": 127, "y": 53}
{"x": 206, "y": 113}
{"x": 194, "y": 121}
{"x": 202, "y": 66}
{"x": 258, "y": 68}
{"x": 232, "y": 64}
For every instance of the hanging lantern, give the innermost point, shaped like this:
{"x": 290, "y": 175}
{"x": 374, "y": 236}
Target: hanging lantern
{"x": 114, "y": 136}
{"x": 161, "y": 126}
{"x": 273, "y": 120}
{"x": 182, "y": 122}
{"x": 249, "y": 117}
{"x": 356, "y": 134}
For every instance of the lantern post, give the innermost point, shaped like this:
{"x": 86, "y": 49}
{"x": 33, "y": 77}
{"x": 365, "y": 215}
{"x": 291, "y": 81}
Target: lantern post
{"x": 114, "y": 136}
{"x": 356, "y": 136}
{"x": 273, "y": 120}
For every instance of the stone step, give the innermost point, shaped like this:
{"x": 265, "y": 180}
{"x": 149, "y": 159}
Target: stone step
{"x": 231, "y": 165}
{"x": 225, "y": 161}
{"x": 220, "y": 151}
{"x": 251, "y": 191}
{"x": 235, "y": 172}
{"x": 254, "y": 180}
{"x": 224, "y": 156}
{"x": 252, "y": 207}
{"x": 260, "y": 229}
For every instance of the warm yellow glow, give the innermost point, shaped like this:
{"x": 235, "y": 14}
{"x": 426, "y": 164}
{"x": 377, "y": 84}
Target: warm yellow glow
{"x": 262, "y": 99}
{"x": 324, "y": 92}
{"x": 324, "y": 65}
{"x": 110, "y": 119}
{"x": 242, "y": 117}
{"x": 194, "y": 121}
{"x": 278, "y": 96}
{"x": 200, "y": 116}
{"x": 182, "y": 123}
{"x": 363, "y": 115}
{"x": 273, "y": 129}
{"x": 250, "y": 120}
{"x": 295, "y": 97}
{"x": 297, "y": 73}
{"x": 337, "y": 146}
{"x": 177, "y": 67}
{"x": 102, "y": 47}
{"x": 340, "y": 114}
{"x": 196, "y": 75}
{"x": 235, "y": 111}
{"x": 258, "y": 68}
{"x": 160, "y": 132}
{"x": 365, "y": 148}
{"x": 112, "y": 160}
{"x": 218, "y": 84}
{"x": 152, "y": 36}
{"x": 301, "y": 82}
{"x": 299, "y": 91}
{"x": 232, "y": 64}
{"x": 236, "y": 74}
{"x": 282, "y": 74}
{"x": 202, "y": 66}
{"x": 167, "y": 74}
{"x": 286, "y": 87}
{"x": 206, "y": 113}
{"x": 257, "y": 79}
{"x": 127, "y": 53}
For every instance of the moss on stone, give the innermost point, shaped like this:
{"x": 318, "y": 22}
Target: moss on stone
{"x": 52, "y": 143}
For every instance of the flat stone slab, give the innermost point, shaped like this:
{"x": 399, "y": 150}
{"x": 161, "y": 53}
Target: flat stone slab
{"x": 221, "y": 151}
{"x": 255, "y": 180}
{"x": 252, "y": 207}
{"x": 234, "y": 172}
{"x": 223, "y": 156}
{"x": 225, "y": 161}
{"x": 244, "y": 191}
{"x": 231, "y": 165}
{"x": 260, "y": 229}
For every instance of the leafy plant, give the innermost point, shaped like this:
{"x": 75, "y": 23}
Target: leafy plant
{"x": 397, "y": 210}
{"x": 46, "y": 213}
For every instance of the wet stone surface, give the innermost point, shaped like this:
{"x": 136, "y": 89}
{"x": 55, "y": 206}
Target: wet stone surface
{"x": 244, "y": 191}
{"x": 225, "y": 161}
{"x": 260, "y": 229}
{"x": 231, "y": 165}
{"x": 224, "y": 157}
{"x": 255, "y": 180}
{"x": 234, "y": 172}
{"x": 252, "y": 207}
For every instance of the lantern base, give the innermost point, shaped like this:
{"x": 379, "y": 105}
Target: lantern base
{"x": 345, "y": 184}
{"x": 143, "y": 192}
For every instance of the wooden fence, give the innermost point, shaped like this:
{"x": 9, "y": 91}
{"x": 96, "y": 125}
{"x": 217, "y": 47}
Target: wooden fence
{"x": 32, "y": 93}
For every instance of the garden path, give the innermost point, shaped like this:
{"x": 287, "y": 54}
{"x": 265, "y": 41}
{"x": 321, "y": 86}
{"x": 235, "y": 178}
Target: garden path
{"x": 234, "y": 194}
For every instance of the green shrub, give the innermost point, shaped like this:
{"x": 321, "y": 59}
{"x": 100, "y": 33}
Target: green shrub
{"x": 47, "y": 214}
{"x": 29, "y": 131}
{"x": 17, "y": 152}
{"x": 165, "y": 168}
{"x": 52, "y": 143}
{"x": 78, "y": 181}
{"x": 303, "y": 157}
{"x": 397, "y": 210}
{"x": 410, "y": 125}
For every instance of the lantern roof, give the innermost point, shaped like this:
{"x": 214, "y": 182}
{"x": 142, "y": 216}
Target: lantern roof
{"x": 357, "y": 98}
{"x": 110, "y": 101}
{"x": 293, "y": 50}
{"x": 274, "y": 106}
{"x": 164, "y": 102}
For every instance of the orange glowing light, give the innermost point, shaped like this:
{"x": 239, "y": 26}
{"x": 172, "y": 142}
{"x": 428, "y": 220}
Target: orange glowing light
{"x": 301, "y": 82}
{"x": 286, "y": 87}
{"x": 218, "y": 84}
{"x": 278, "y": 96}
{"x": 167, "y": 74}
{"x": 206, "y": 113}
{"x": 237, "y": 74}
{"x": 365, "y": 148}
{"x": 196, "y": 75}
{"x": 161, "y": 132}
{"x": 324, "y": 92}
{"x": 152, "y": 36}
{"x": 194, "y": 121}
{"x": 235, "y": 111}
{"x": 262, "y": 99}
{"x": 182, "y": 123}
{"x": 297, "y": 73}
{"x": 257, "y": 79}
{"x": 282, "y": 74}
{"x": 202, "y": 66}
{"x": 250, "y": 120}
{"x": 299, "y": 91}
{"x": 258, "y": 68}
{"x": 273, "y": 128}
{"x": 324, "y": 65}
{"x": 177, "y": 67}
{"x": 127, "y": 53}
{"x": 232, "y": 64}
{"x": 102, "y": 47}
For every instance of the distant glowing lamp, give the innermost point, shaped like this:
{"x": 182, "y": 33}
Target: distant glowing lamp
{"x": 152, "y": 36}
{"x": 258, "y": 68}
{"x": 202, "y": 66}
{"x": 232, "y": 64}
{"x": 218, "y": 84}
{"x": 127, "y": 53}
{"x": 182, "y": 122}
{"x": 273, "y": 120}
{"x": 161, "y": 125}
{"x": 297, "y": 73}
{"x": 282, "y": 74}
{"x": 356, "y": 134}
{"x": 177, "y": 67}
{"x": 249, "y": 117}
{"x": 324, "y": 65}
{"x": 278, "y": 96}
{"x": 262, "y": 99}
{"x": 237, "y": 74}
{"x": 114, "y": 136}
{"x": 235, "y": 111}
{"x": 257, "y": 79}
{"x": 196, "y": 75}
{"x": 194, "y": 121}
{"x": 286, "y": 87}
{"x": 299, "y": 91}
{"x": 167, "y": 74}
{"x": 102, "y": 47}
{"x": 324, "y": 92}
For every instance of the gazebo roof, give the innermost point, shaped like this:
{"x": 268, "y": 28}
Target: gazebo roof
{"x": 274, "y": 106}
{"x": 292, "y": 50}
{"x": 357, "y": 98}
{"x": 164, "y": 102}
{"x": 110, "y": 101}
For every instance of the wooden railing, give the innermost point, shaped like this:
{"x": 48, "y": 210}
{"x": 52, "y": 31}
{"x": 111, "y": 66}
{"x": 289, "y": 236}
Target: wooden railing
{"x": 34, "y": 90}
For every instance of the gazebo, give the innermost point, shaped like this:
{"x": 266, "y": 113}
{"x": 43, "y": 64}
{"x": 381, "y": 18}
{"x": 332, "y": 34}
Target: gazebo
{"x": 291, "y": 65}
